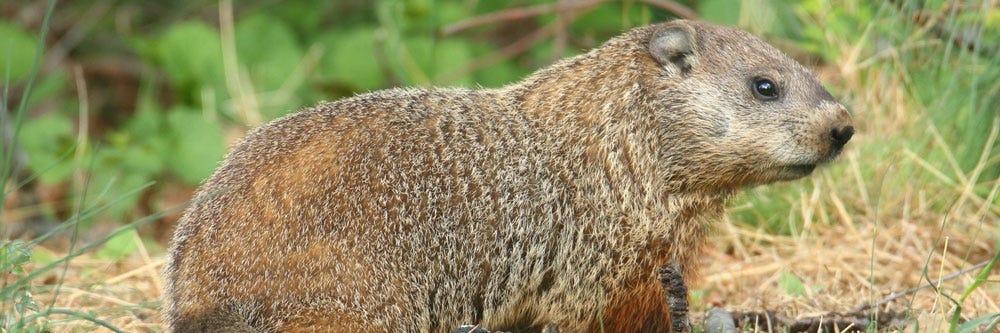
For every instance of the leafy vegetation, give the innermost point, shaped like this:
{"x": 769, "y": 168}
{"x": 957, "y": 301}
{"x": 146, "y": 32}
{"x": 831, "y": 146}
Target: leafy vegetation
{"x": 124, "y": 107}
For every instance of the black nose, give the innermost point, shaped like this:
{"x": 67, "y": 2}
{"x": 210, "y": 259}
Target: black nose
{"x": 840, "y": 136}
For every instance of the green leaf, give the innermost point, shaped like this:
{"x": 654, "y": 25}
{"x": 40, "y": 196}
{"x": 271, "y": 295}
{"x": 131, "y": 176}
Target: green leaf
{"x": 42, "y": 257}
{"x": 697, "y": 296}
{"x": 146, "y": 143}
{"x": 144, "y": 158}
{"x": 499, "y": 74}
{"x": 436, "y": 57}
{"x": 451, "y": 54}
{"x": 127, "y": 159}
{"x": 118, "y": 171}
{"x": 14, "y": 255}
{"x": 192, "y": 55}
{"x": 448, "y": 11}
{"x": 350, "y": 59}
{"x": 268, "y": 48}
{"x": 119, "y": 246}
{"x": 48, "y": 140}
{"x": 197, "y": 145}
{"x": 972, "y": 325}
{"x": 605, "y": 21}
{"x": 48, "y": 87}
{"x": 416, "y": 8}
{"x": 146, "y": 122}
{"x": 17, "y": 52}
{"x": 791, "y": 284}
{"x": 307, "y": 16}
{"x": 720, "y": 11}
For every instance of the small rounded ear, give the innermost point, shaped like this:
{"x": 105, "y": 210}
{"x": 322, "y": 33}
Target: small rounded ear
{"x": 674, "y": 48}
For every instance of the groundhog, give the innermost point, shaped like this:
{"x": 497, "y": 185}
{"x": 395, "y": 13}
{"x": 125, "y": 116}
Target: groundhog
{"x": 553, "y": 200}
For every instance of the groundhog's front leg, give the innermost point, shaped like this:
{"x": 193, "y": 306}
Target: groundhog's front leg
{"x": 677, "y": 297}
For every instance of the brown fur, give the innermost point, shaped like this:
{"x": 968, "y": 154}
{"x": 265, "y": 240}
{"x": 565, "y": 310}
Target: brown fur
{"x": 552, "y": 200}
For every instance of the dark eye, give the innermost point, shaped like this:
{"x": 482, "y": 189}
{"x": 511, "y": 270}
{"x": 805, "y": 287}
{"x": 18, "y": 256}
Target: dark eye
{"x": 765, "y": 89}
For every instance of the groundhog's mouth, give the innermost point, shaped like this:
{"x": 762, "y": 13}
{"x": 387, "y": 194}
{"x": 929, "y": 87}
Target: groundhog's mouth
{"x": 798, "y": 170}
{"x": 803, "y": 168}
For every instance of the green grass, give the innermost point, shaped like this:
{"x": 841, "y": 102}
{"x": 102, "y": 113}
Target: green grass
{"x": 20, "y": 311}
{"x": 18, "y": 305}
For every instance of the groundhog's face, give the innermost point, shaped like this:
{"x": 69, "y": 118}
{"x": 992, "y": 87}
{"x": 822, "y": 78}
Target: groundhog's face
{"x": 738, "y": 112}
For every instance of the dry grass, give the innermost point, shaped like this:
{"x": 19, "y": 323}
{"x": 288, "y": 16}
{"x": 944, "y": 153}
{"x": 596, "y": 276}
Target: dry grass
{"x": 125, "y": 293}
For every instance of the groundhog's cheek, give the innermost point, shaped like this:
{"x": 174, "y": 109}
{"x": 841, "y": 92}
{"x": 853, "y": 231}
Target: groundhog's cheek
{"x": 716, "y": 124}
{"x": 792, "y": 150}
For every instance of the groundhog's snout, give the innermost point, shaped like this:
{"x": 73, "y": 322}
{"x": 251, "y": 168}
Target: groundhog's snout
{"x": 841, "y": 130}
{"x": 840, "y": 136}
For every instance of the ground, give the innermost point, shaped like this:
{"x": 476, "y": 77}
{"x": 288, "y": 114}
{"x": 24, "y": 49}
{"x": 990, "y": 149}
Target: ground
{"x": 832, "y": 267}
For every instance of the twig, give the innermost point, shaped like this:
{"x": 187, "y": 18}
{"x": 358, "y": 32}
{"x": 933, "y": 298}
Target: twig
{"x": 831, "y": 322}
{"x": 568, "y": 11}
{"x": 674, "y": 7}
{"x": 897, "y": 295}
{"x": 514, "y": 14}
{"x": 563, "y": 16}
{"x": 518, "y": 47}
{"x": 82, "y": 26}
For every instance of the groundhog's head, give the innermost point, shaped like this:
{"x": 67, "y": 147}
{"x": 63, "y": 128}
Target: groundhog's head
{"x": 734, "y": 111}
